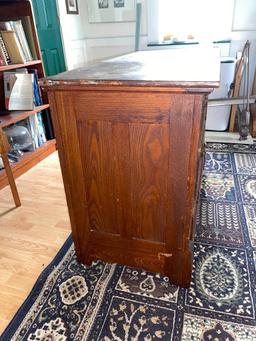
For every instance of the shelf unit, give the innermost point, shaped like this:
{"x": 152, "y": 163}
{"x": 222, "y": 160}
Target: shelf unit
{"x": 10, "y": 10}
{"x": 15, "y": 116}
{"x": 17, "y": 66}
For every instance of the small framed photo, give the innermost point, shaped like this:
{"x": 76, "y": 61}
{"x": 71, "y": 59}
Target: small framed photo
{"x": 103, "y": 4}
{"x": 111, "y": 10}
{"x": 72, "y": 7}
{"x": 118, "y": 3}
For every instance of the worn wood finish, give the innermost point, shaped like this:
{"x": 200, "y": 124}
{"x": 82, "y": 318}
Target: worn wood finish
{"x": 130, "y": 157}
{"x": 169, "y": 67}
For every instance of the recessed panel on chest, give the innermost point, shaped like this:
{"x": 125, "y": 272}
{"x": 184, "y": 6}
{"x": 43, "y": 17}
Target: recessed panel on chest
{"x": 129, "y": 161}
{"x": 124, "y": 145}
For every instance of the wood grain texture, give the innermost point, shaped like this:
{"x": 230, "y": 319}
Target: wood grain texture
{"x": 96, "y": 147}
{"x": 121, "y": 138}
{"x": 71, "y": 166}
{"x": 130, "y": 149}
{"x": 133, "y": 177}
{"x": 31, "y": 235}
{"x": 149, "y": 146}
{"x": 123, "y": 106}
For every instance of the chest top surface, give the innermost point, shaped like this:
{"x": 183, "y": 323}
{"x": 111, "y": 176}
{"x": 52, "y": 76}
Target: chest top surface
{"x": 194, "y": 68}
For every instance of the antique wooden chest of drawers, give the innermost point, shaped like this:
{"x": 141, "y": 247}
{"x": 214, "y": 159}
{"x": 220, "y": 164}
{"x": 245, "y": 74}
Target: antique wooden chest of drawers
{"x": 130, "y": 137}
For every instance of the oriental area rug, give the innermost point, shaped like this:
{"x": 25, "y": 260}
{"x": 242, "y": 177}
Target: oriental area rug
{"x": 110, "y": 302}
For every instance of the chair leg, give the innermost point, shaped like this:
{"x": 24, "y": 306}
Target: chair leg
{"x": 11, "y": 180}
{"x": 8, "y": 169}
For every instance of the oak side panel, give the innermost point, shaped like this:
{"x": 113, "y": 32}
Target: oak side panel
{"x": 123, "y": 106}
{"x": 130, "y": 165}
{"x": 194, "y": 164}
{"x": 96, "y": 150}
{"x": 195, "y": 158}
{"x": 181, "y": 144}
{"x": 65, "y": 126}
{"x": 138, "y": 253}
{"x": 149, "y": 147}
{"x": 200, "y": 112}
{"x": 121, "y": 159}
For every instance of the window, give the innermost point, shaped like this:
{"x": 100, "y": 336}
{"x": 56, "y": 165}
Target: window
{"x": 204, "y": 20}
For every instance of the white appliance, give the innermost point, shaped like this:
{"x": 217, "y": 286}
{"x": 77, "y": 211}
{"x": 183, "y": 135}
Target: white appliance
{"x": 218, "y": 117}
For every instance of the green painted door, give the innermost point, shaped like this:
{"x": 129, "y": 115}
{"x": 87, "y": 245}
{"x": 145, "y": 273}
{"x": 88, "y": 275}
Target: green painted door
{"x": 48, "y": 29}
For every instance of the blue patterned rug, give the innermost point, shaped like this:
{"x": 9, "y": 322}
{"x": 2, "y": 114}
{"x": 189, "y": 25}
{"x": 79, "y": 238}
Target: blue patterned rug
{"x": 113, "y": 302}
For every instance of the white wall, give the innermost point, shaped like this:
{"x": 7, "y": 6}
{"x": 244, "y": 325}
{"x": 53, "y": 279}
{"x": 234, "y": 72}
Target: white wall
{"x": 72, "y": 30}
{"x": 85, "y": 42}
{"x": 244, "y": 28}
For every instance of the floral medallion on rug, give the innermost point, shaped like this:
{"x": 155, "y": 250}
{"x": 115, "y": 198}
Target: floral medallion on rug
{"x": 110, "y": 302}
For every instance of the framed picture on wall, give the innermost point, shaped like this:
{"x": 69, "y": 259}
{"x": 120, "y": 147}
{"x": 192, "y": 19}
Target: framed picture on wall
{"x": 111, "y": 10}
{"x": 72, "y": 7}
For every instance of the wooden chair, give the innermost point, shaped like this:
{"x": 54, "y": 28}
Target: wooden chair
{"x": 4, "y": 147}
{"x": 239, "y": 72}
{"x": 253, "y": 108}
{"x": 235, "y": 92}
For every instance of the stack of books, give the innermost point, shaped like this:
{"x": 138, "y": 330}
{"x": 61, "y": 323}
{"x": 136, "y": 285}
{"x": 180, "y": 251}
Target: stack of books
{"x": 14, "y": 46}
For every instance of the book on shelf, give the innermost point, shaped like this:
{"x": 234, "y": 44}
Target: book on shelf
{"x": 18, "y": 28}
{"x": 38, "y": 127}
{"x": 37, "y": 91}
{"x": 18, "y": 90}
{"x": 22, "y": 92}
{"x": 26, "y": 23}
{"x": 4, "y": 55}
{"x": 38, "y": 122}
{"x": 13, "y": 47}
{"x": 15, "y": 42}
{"x": 2, "y": 62}
{"x": 21, "y": 89}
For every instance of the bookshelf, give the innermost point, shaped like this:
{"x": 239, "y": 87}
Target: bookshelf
{"x": 16, "y": 116}
{"x": 21, "y": 10}
{"x": 17, "y": 66}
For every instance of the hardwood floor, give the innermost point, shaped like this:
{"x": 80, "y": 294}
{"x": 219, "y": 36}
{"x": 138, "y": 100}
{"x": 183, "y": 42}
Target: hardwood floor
{"x": 30, "y": 235}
